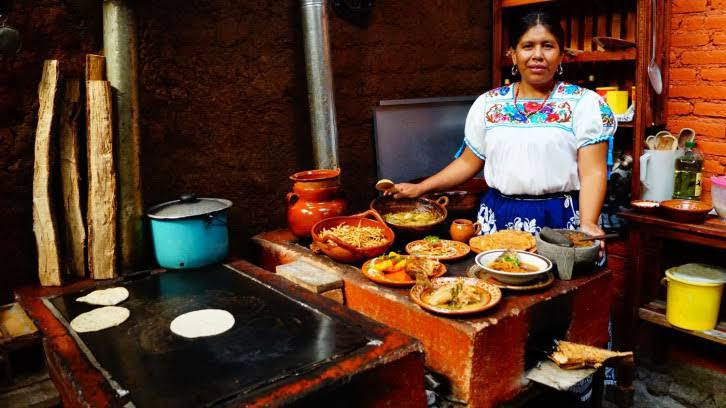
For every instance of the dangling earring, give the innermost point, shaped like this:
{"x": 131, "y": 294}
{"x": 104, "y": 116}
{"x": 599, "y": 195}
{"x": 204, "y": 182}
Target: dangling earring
{"x": 514, "y": 70}
{"x": 560, "y": 69}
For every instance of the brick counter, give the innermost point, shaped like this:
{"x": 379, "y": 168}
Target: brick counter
{"x": 482, "y": 357}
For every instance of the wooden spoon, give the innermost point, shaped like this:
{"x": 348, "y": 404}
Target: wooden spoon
{"x": 664, "y": 140}
{"x": 686, "y": 135}
{"x": 650, "y": 142}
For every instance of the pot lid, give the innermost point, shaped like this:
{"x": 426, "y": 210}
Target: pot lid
{"x": 698, "y": 273}
{"x": 188, "y": 205}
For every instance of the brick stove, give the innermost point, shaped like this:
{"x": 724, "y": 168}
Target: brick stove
{"x": 483, "y": 358}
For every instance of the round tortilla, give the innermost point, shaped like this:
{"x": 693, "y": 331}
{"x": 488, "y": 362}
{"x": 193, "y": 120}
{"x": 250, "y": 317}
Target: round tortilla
{"x": 99, "y": 319}
{"x": 202, "y": 323}
{"x": 105, "y": 297}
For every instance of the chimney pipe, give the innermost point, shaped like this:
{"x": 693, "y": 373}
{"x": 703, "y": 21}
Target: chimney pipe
{"x": 320, "y": 83}
{"x": 119, "y": 45}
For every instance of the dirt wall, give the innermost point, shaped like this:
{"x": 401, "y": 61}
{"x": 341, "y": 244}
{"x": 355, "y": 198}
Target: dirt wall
{"x": 223, "y": 98}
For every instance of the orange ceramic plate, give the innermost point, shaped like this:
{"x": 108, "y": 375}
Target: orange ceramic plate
{"x": 398, "y": 279}
{"x": 448, "y": 251}
{"x": 419, "y": 294}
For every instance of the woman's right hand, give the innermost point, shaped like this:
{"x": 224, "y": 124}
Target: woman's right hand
{"x": 405, "y": 190}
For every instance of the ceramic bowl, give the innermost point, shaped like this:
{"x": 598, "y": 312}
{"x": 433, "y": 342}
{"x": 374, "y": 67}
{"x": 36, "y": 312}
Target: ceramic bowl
{"x": 386, "y": 205}
{"x": 645, "y": 206}
{"x": 688, "y": 211}
{"x": 542, "y": 264}
{"x": 346, "y": 253}
{"x": 569, "y": 260}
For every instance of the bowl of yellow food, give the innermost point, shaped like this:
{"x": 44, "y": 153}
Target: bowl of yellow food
{"x": 515, "y": 267}
{"x": 411, "y": 215}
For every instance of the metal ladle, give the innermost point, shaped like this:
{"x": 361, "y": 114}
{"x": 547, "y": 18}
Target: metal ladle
{"x": 653, "y": 70}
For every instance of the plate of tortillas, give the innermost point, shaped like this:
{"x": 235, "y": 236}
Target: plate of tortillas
{"x": 505, "y": 239}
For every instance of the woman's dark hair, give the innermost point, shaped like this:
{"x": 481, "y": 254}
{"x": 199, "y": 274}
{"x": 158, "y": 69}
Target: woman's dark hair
{"x": 547, "y": 19}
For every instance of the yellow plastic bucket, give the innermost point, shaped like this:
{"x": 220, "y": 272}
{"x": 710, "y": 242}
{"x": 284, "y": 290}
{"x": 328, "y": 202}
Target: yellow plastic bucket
{"x": 694, "y": 296}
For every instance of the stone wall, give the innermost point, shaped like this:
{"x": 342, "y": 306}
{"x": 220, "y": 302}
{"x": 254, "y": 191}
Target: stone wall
{"x": 697, "y": 94}
{"x": 223, "y": 98}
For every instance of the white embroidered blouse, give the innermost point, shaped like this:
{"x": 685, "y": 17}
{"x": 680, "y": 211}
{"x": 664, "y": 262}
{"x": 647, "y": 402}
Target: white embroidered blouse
{"x": 537, "y": 154}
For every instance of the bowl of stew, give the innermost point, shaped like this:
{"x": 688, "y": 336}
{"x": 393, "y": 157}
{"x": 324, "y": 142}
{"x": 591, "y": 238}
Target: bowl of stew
{"x": 412, "y": 216}
{"x": 515, "y": 267}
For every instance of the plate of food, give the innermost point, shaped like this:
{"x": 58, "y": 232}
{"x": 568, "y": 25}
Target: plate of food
{"x": 435, "y": 248}
{"x": 455, "y": 295}
{"x": 512, "y": 266}
{"x": 505, "y": 239}
{"x": 476, "y": 271}
{"x": 399, "y": 270}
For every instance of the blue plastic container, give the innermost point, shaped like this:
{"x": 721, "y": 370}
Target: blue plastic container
{"x": 190, "y": 232}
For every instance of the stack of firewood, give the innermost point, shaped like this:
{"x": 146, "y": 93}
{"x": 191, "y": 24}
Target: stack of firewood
{"x": 67, "y": 241}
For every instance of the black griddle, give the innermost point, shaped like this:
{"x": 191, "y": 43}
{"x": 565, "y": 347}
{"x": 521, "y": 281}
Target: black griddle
{"x": 274, "y": 337}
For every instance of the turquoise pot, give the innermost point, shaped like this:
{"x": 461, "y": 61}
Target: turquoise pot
{"x": 190, "y": 232}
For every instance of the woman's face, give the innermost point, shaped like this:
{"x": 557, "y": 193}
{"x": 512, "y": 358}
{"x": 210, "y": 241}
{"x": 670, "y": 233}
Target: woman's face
{"x": 537, "y": 56}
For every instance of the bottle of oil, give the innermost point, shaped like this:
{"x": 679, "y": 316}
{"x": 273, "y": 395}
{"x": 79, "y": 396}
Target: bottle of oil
{"x": 687, "y": 183}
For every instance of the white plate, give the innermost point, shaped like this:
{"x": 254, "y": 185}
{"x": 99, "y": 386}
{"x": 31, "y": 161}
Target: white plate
{"x": 517, "y": 278}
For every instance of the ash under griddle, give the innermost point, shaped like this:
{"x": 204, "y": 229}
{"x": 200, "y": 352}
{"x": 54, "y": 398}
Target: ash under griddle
{"x": 273, "y": 338}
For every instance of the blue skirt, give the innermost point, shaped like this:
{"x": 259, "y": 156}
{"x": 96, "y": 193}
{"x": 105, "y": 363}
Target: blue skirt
{"x": 528, "y": 213}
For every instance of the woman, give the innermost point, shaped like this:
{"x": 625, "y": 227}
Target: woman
{"x": 544, "y": 144}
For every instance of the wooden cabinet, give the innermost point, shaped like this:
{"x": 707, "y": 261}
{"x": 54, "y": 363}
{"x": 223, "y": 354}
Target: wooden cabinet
{"x": 584, "y": 20}
{"x": 651, "y": 239}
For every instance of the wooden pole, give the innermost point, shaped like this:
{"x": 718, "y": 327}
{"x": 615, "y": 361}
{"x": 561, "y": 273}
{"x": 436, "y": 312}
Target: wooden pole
{"x": 120, "y": 45}
{"x": 102, "y": 247}
{"x": 75, "y": 230}
{"x": 44, "y": 223}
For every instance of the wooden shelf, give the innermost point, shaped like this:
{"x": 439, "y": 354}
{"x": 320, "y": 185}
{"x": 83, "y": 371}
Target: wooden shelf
{"x": 517, "y": 3}
{"x": 625, "y": 125}
{"x": 654, "y": 312}
{"x": 589, "y": 56}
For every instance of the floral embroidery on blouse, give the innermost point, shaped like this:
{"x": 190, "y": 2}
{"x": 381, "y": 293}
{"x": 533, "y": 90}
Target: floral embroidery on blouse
{"x": 569, "y": 89}
{"x": 501, "y": 91}
{"x": 552, "y": 112}
{"x": 606, "y": 114}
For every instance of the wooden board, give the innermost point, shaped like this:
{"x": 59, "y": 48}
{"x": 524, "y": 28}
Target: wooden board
{"x": 102, "y": 248}
{"x": 615, "y": 24}
{"x": 14, "y": 322}
{"x": 44, "y": 219}
{"x": 74, "y": 228}
{"x": 95, "y": 67}
{"x": 587, "y": 28}
{"x": 655, "y": 312}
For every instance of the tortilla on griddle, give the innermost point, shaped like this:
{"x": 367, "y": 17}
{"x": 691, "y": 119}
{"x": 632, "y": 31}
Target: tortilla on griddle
{"x": 202, "y": 323}
{"x": 99, "y": 319}
{"x": 505, "y": 239}
{"x": 105, "y": 297}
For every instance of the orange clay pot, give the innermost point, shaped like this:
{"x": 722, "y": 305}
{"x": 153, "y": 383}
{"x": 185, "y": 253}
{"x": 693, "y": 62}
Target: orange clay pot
{"x": 316, "y": 195}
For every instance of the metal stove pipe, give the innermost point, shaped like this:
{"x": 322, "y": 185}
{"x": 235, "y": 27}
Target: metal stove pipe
{"x": 320, "y": 83}
{"x": 119, "y": 45}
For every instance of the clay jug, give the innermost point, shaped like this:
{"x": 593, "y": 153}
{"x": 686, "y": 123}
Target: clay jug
{"x": 316, "y": 195}
{"x": 462, "y": 230}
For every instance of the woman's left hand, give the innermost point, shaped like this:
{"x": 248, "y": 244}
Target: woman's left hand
{"x": 592, "y": 230}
